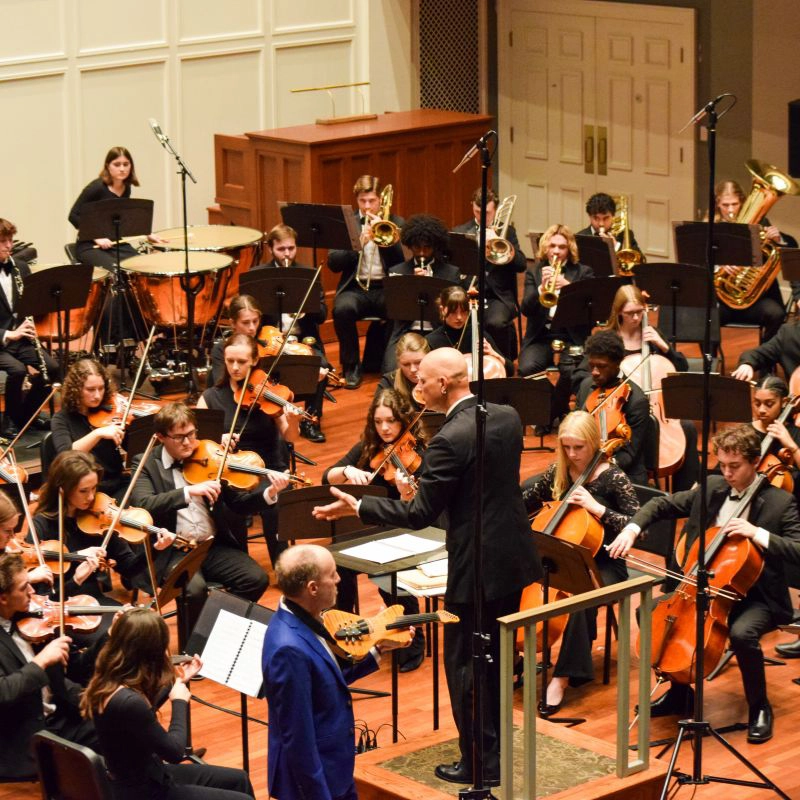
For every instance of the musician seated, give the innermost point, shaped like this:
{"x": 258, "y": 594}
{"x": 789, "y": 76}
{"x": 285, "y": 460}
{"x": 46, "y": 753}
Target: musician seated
{"x": 605, "y": 351}
{"x": 501, "y": 279}
{"x": 409, "y": 352}
{"x": 557, "y": 244}
{"x": 87, "y": 388}
{"x": 772, "y": 523}
{"x": 9, "y": 523}
{"x": 626, "y": 318}
{"x": 768, "y": 311}
{"x": 282, "y": 244}
{"x": 782, "y": 350}
{"x": 605, "y": 493}
{"x": 388, "y": 419}
{"x": 360, "y": 290}
{"x": 19, "y": 356}
{"x": 456, "y": 328}
{"x": 601, "y": 209}
{"x": 34, "y": 693}
{"x": 183, "y": 508}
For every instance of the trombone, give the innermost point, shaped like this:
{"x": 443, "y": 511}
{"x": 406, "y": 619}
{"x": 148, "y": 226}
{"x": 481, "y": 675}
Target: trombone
{"x": 627, "y": 257}
{"x": 384, "y": 232}
{"x": 500, "y": 251}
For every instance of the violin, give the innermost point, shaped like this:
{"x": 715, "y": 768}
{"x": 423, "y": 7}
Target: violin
{"x": 114, "y": 412}
{"x": 12, "y": 473}
{"x": 356, "y": 636}
{"x": 778, "y": 466}
{"x": 82, "y": 613}
{"x": 270, "y": 339}
{"x": 50, "y": 553}
{"x": 272, "y": 398}
{"x": 242, "y": 470}
{"x": 606, "y": 407}
{"x": 134, "y": 526}
{"x": 402, "y": 457}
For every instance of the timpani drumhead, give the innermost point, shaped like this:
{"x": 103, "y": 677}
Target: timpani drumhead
{"x": 208, "y": 237}
{"x": 173, "y": 262}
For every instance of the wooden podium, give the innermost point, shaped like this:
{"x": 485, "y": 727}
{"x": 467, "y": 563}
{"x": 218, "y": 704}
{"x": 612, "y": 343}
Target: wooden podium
{"x": 415, "y": 151}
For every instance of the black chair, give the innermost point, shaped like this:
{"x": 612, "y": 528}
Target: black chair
{"x": 47, "y": 452}
{"x": 69, "y": 771}
{"x": 71, "y": 249}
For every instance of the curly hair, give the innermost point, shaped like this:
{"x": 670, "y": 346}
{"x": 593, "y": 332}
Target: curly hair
{"x": 136, "y": 656}
{"x": 558, "y": 230}
{"x": 742, "y": 439}
{"x": 113, "y": 154}
{"x": 71, "y": 391}
{"x": 371, "y": 443}
{"x": 66, "y": 472}
{"x": 605, "y": 343}
{"x": 601, "y": 203}
{"x": 425, "y": 229}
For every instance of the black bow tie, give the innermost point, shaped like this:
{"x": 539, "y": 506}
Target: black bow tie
{"x": 733, "y": 496}
{"x": 7, "y": 267}
{"x": 177, "y": 465}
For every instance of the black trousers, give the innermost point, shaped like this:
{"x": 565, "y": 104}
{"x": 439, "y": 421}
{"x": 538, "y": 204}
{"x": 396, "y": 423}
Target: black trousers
{"x": 749, "y": 621}
{"x": 458, "y": 669}
{"x": 538, "y": 356}
{"x": 352, "y": 304}
{"x": 191, "y": 782}
{"x": 768, "y": 312}
{"x": 15, "y": 358}
{"x": 499, "y": 322}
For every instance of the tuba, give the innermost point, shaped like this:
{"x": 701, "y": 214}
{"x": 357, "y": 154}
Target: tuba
{"x": 500, "y": 251}
{"x": 548, "y": 297}
{"x": 384, "y": 232}
{"x": 745, "y": 287}
{"x": 627, "y": 256}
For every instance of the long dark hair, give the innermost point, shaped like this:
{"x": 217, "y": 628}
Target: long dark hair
{"x": 134, "y": 656}
{"x": 76, "y": 378}
{"x": 231, "y": 341}
{"x": 66, "y": 472}
{"x": 371, "y": 443}
{"x": 113, "y": 154}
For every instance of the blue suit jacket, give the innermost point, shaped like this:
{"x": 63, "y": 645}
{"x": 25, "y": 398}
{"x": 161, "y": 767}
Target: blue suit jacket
{"x": 311, "y": 729}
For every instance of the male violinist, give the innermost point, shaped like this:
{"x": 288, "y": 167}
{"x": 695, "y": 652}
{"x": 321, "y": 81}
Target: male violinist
{"x": 604, "y": 352}
{"x": 199, "y": 511}
{"x": 34, "y": 692}
{"x": 771, "y": 521}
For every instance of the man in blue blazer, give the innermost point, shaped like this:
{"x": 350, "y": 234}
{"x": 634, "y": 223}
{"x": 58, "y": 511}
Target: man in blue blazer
{"x": 311, "y": 727}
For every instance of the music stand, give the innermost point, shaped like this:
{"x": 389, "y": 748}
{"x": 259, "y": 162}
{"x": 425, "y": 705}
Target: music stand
{"x": 569, "y": 568}
{"x": 461, "y": 249}
{"x": 299, "y": 373}
{"x": 56, "y": 289}
{"x": 586, "y": 303}
{"x": 413, "y": 297}
{"x": 431, "y": 422}
{"x": 790, "y": 263}
{"x": 729, "y": 398}
{"x": 321, "y": 225}
{"x": 280, "y": 291}
{"x": 598, "y": 253}
{"x": 216, "y": 601}
{"x": 531, "y": 397}
{"x": 733, "y": 243}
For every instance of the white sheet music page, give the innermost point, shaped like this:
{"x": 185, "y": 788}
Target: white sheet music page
{"x": 232, "y": 655}
{"x": 393, "y": 549}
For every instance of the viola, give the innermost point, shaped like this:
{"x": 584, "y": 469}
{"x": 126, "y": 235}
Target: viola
{"x": 242, "y": 469}
{"x": 355, "y": 636}
{"x": 50, "y": 554}
{"x": 606, "y": 407}
{"x": 114, "y": 412}
{"x": 402, "y": 457}
{"x": 82, "y": 613}
{"x": 778, "y": 466}
{"x": 272, "y": 398}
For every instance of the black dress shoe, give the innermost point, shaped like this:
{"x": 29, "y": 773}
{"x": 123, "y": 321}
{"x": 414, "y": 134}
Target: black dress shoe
{"x": 411, "y": 657}
{"x": 10, "y": 428}
{"x": 759, "y": 728}
{"x": 458, "y": 772}
{"x": 352, "y": 377}
{"x": 788, "y": 650}
{"x": 311, "y": 431}
{"x": 678, "y": 699}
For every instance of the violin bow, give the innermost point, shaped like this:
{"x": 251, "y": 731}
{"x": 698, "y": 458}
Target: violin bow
{"x": 135, "y": 384}
{"x": 227, "y": 449}
{"x": 53, "y": 389}
{"x": 27, "y": 511}
{"x": 61, "y": 597}
{"x": 470, "y": 300}
{"x": 393, "y": 446}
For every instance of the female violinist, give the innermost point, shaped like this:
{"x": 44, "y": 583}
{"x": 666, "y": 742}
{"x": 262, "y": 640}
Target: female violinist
{"x": 608, "y": 495}
{"x": 9, "y": 521}
{"x": 87, "y": 388}
{"x": 388, "y": 417}
{"x": 263, "y": 434}
{"x": 133, "y": 678}
{"x": 627, "y": 318}
{"x": 409, "y": 351}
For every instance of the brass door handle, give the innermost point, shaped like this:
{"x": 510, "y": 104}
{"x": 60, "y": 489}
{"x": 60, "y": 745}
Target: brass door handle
{"x": 588, "y": 149}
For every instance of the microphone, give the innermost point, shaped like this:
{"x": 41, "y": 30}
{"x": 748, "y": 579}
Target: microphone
{"x": 479, "y": 145}
{"x": 159, "y": 134}
{"x": 708, "y": 107}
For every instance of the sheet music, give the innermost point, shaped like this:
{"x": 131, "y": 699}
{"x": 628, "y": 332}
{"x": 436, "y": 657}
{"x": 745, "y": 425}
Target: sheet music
{"x": 232, "y": 655}
{"x": 393, "y": 549}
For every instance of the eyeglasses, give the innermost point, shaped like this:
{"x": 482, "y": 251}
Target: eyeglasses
{"x": 182, "y": 437}
{"x": 635, "y": 313}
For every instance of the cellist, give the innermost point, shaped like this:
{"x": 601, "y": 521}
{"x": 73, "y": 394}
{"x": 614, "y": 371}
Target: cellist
{"x": 772, "y": 522}
{"x": 608, "y": 495}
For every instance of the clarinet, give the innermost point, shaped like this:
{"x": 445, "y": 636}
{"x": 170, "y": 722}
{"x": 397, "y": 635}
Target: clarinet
{"x": 36, "y": 343}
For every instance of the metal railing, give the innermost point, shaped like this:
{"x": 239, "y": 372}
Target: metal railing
{"x": 527, "y": 620}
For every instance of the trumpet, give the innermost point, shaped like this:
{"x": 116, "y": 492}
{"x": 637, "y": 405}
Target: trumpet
{"x": 548, "y": 297}
{"x": 384, "y": 232}
{"x": 500, "y": 251}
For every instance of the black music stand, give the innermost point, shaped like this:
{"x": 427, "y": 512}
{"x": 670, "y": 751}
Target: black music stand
{"x": 461, "y": 250}
{"x": 431, "y": 422}
{"x": 733, "y": 243}
{"x": 569, "y": 568}
{"x": 598, "y": 253}
{"x": 280, "y": 291}
{"x": 729, "y": 399}
{"x": 413, "y": 297}
{"x": 320, "y": 225}
{"x": 299, "y": 373}
{"x": 790, "y": 263}
{"x": 217, "y": 601}
{"x": 531, "y": 397}
{"x": 56, "y": 289}
{"x": 114, "y": 219}
{"x": 586, "y": 303}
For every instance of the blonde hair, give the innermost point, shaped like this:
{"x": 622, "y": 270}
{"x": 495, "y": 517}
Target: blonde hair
{"x": 556, "y": 230}
{"x": 582, "y": 425}
{"x": 625, "y": 294}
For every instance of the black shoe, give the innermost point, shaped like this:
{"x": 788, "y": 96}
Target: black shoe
{"x": 40, "y": 424}
{"x": 788, "y": 650}
{"x": 458, "y": 772}
{"x": 542, "y": 430}
{"x": 678, "y": 699}
{"x": 311, "y": 431}
{"x": 759, "y": 728}
{"x": 411, "y": 657}
{"x": 352, "y": 377}
{"x": 10, "y": 428}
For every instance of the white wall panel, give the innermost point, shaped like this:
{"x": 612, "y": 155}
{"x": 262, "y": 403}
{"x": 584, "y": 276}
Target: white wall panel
{"x": 104, "y": 25}
{"x": 209, "y": 19}
{"x": 32, "y": 30}
{"x": 305, "y": 15}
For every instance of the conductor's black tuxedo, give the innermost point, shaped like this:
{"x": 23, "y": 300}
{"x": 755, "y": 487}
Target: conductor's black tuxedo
{"x": 767, "y": 604}
{"x": 783, "y": 349}
{"x": 509, "y": 557}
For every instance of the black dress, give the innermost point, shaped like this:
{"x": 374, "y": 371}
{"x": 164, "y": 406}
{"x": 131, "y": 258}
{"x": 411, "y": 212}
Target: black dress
{"x": 615, "y": 491}
{"x": 445, "y": 336}
{"x": 135, "y": 747}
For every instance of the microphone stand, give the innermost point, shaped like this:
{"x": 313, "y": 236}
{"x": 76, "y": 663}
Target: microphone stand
{"x": 190, "y": 289}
